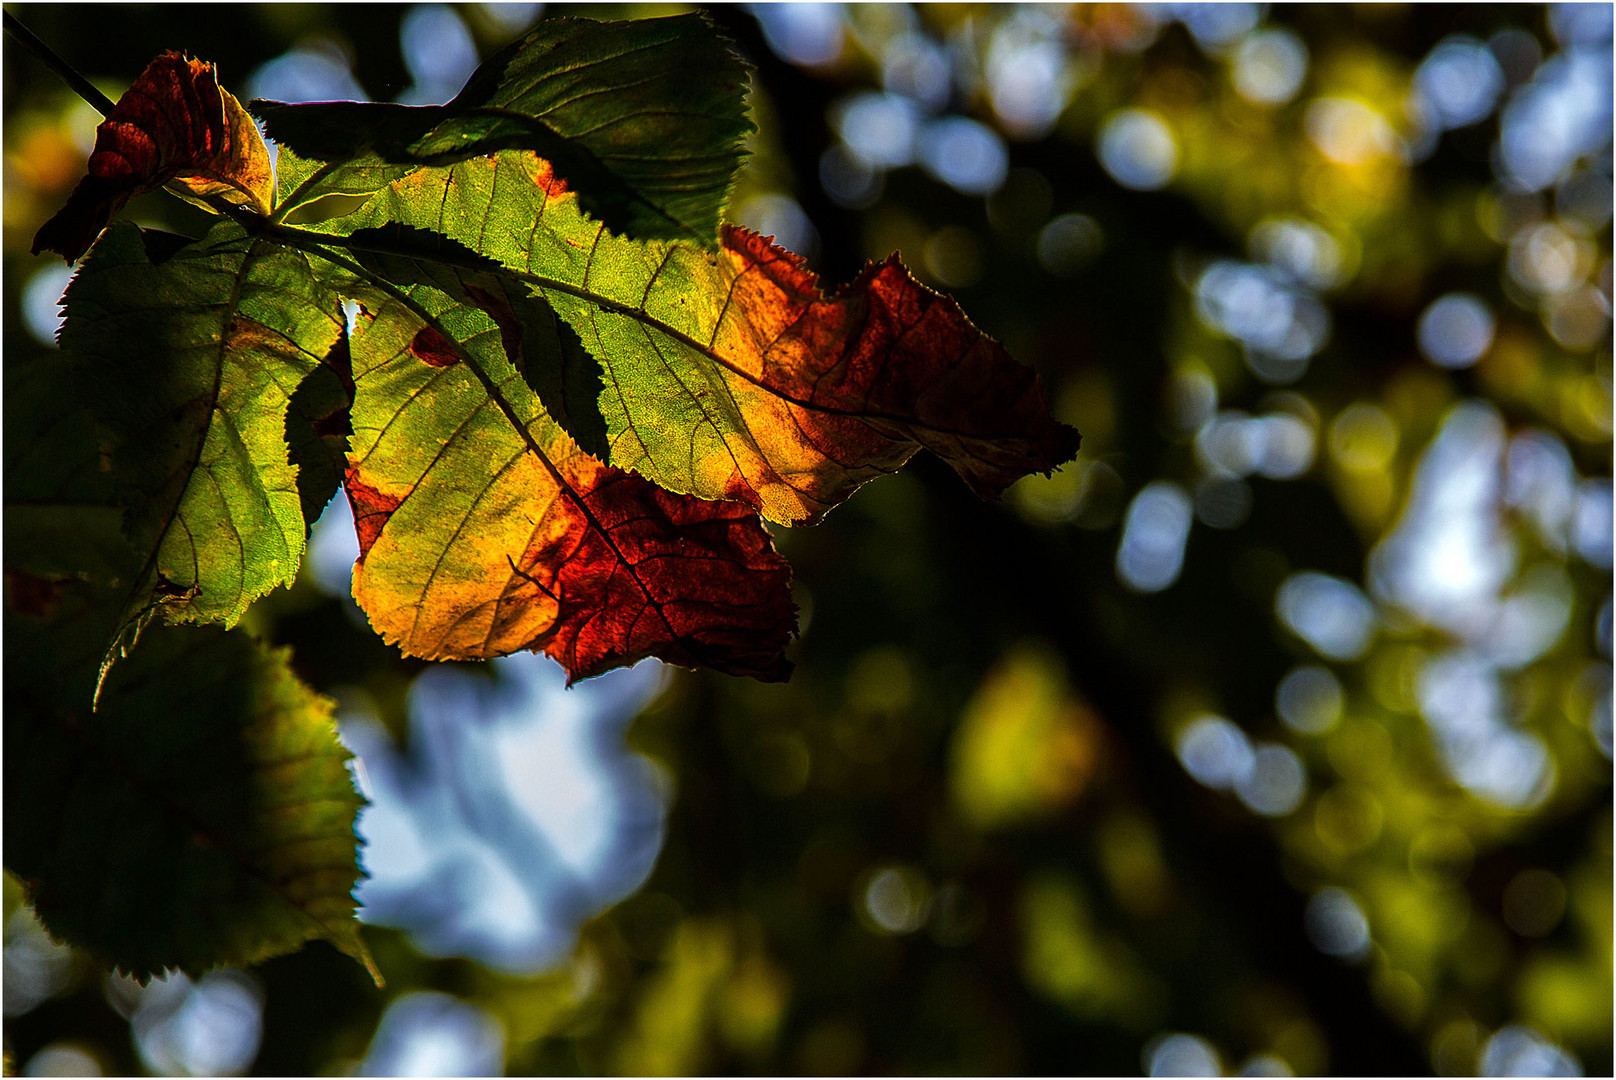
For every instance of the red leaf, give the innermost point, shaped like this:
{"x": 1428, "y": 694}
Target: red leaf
{"x": 645, "y": 572}
{"x": 862, "y": 377}
{"x": 614, "y": 570}
{"x": 173, "y": 124}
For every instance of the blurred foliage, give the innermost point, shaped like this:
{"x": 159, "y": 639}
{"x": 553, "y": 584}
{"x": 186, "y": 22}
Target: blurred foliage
{"x": 1037, "y": 800}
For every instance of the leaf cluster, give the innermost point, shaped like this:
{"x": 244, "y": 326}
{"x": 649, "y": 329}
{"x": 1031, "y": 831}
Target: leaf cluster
{"x": 557, "y": 391}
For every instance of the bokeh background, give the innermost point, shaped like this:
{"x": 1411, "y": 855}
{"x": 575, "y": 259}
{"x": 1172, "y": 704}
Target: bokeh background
{"x": 1271, "y": 735}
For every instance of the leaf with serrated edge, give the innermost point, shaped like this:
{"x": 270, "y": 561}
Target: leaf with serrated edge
{"x": 484, "y": 529}
{"x": 189, "y": 363}
{"x": 644, "y": 119}
{"x": 202, "y": 815}
{"x": 732, "y": 375}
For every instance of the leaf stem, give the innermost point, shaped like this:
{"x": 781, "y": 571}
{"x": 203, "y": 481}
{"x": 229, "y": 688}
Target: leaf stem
{"x": 291, "y": 203}
{"x": 81, "y": 86}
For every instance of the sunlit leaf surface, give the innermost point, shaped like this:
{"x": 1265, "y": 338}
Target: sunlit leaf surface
{"x": 484, "y": 529}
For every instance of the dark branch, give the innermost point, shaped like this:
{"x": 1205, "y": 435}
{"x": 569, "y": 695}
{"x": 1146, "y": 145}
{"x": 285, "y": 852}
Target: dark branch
{"x": 81, "y": 86}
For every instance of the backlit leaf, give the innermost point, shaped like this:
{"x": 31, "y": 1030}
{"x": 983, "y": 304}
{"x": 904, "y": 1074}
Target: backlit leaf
{"x": 188, "y": 362}
{"x": 174, "y": 124}
{"x": 484, "y": 529}
{"x": 643, "y": 119}
{"x": 733, "y": 375}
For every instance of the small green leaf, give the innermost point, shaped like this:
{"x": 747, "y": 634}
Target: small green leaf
{"x": 644, "y": 120}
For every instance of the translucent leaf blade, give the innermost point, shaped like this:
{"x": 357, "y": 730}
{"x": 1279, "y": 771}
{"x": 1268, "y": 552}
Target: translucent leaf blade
{"x": 188, "y": 360}
{"x": 734, "y": 375}
{"x": 484, "y": 529}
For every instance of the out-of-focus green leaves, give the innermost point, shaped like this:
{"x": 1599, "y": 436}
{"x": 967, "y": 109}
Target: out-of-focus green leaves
{"x": 1071, "y": 960}
{"x": 1024, "y": 746}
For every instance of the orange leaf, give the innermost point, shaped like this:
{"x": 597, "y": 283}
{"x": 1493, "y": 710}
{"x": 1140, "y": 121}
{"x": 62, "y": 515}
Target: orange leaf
{"x": 174, "y": 124}
{"x": 840, "y": 386}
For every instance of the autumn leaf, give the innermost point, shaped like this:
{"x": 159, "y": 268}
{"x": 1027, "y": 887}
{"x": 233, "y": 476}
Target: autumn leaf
{"x": 174, "y": 124}
{"x": 734, "y": 375}
{"x": 188, "y": 359}
{"x": 483, "y": 527}
{"x": 644, "y": 120}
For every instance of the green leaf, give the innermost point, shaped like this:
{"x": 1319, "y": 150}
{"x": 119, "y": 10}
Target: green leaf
{"x": 188, "y": 359}
{"x": 645, "y": 120}
{"x": 203, "y": 813}
{"x": 310, "y": 190}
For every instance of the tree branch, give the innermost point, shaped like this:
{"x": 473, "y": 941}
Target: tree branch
{"x": 80, "y": 85}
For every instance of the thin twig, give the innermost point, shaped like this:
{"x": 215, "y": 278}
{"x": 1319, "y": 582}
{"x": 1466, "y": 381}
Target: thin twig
{"x": 81, "y": 86}
{"x": 86, "y": 90}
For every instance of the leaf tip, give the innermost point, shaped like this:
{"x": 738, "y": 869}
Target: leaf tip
{"x": 369, "y": 962}
{"x": 349, "y": 941}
